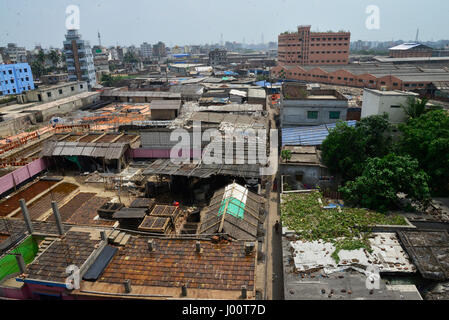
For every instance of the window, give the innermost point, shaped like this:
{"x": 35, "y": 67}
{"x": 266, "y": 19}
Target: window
{"x": 334, "y": 114}
{"x": 26, "y": 70}
{"x": 73, "y": 88}
{"x": 81, "y": 86}
{"x": 27, "y": 79}
{"x": 49, "y": 94}
{"x": 10, "y": 71}
{"x": 312, "y": 114}
{"x": 395, "y": 106}
{"x": 60, "y": 91}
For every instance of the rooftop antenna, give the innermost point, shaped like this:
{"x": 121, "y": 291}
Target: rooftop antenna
{"x": 417, "y": 35}
{"x": 221, "y": 39}
{"x": 99, "y": 38}
{"x": 262, "y": 39}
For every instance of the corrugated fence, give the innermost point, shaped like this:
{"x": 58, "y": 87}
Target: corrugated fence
{"x": 12, "y": 179}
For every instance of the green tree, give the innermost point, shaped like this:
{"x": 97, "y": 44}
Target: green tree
{"x": 376, "y": 132}
{"x": 426, "y": 138}
{"x": 382, "y": 179}
{"x": 107, "y": 80}
{"x": 286, "y": 155}
{"x": 54, "y": 57}
{"x": 130, "y": 58}
{"x": 37, "y": 69}
{"x": 346, "y": 148}
{"x": 41, "y": 57}
{"x": 414, "y": 107}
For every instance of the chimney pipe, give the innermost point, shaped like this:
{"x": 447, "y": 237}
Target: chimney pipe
{"x": 54, "y": 206}
{"x": 21, "y": 263}
{"x": 249, "y": 248}
{"x": 127, "y": 284}
{"x": 184, "y": 291}
{"x": 151, "y": 247}
{"x": 244, "y": 292}
{"x": 198, "y": 246}
{"x": 26, "y": 216}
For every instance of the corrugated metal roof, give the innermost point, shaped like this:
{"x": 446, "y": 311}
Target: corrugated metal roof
{"x": 308, "y": 136}
{"x": 97, "y": 150}
{"x": 166, "y": 167}
{"x": 406, "y": 46}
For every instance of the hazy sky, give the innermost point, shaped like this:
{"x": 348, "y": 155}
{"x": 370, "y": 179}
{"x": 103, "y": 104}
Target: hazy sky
{"x": 178, "y": 22}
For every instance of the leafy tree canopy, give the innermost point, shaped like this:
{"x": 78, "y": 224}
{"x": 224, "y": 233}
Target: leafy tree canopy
{"x": 37, "y": 68}
{"x": 346, "y": 148}
{"x": 382, "y": 179}
{"x": 426, "y": 138}
{"x": 130, "y": 58}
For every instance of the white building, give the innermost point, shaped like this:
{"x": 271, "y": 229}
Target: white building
{"x": 146, "y": 50}
{"x": 16, "y": 54}
{"x": 376, "y": 102}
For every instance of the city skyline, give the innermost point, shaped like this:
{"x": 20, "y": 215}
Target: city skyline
{"x": 176, "y": 27}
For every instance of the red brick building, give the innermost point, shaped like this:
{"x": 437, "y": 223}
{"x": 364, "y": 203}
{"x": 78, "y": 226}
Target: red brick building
{"x": 411, "y": 50}
{"x": 373, "y": 75}
{"x": 313, "y": 48}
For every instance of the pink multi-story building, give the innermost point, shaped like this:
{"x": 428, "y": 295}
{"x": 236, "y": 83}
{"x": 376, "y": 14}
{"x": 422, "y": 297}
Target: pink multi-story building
{"x": 313, "y": 48}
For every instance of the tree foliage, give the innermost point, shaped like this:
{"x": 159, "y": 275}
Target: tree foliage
{"x": 414, "y": 108}
{"x": 426, "y": 138}
{"x": 130, "y": 58}
{"x": 54, "y": 57}
{"x": 383, "y": 178}
{"x": 37, "y": 68}
{"x": 346, "y": 148}
{"x": 286, "y": 155}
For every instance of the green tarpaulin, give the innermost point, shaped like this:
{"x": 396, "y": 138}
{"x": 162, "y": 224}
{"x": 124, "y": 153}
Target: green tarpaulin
{"x": 234, "y": 207}
{"x": 8, "y": 264}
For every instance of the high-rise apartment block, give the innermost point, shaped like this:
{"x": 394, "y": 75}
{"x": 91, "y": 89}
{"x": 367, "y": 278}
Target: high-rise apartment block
{"x": 146, "y": 50}
{"x": 79, "y": 59}
{"x": 313, "y": 48}
{"x": 159, "y": 50}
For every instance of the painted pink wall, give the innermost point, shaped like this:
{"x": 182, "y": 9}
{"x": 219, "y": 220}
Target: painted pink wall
{"x": 20, "y": 175}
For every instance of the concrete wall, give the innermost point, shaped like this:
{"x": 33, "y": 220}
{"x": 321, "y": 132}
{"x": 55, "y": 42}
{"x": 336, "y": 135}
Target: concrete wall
{"x": 294, "y": 112}
{"x": 160, "y": 114}
{"x": 63, "y": 108}
{"x": 375, "y": 104}
{"x": 56, "y": 92}
{"x": 311, "y": 174}
{"x": 12, "y": 126}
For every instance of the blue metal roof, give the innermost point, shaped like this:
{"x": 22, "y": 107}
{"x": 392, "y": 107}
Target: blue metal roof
{"x": 309, "y": 136}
